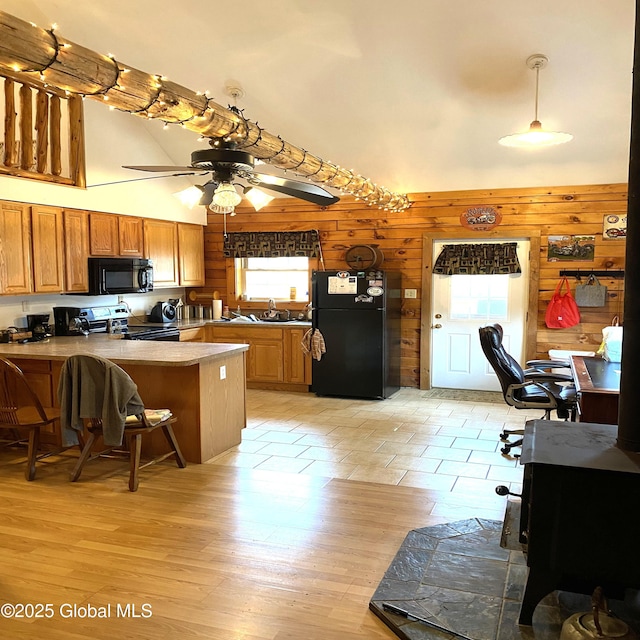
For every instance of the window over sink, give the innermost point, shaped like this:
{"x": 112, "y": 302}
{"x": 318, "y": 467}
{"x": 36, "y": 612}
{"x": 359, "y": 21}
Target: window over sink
{"x": 280, "y": 278}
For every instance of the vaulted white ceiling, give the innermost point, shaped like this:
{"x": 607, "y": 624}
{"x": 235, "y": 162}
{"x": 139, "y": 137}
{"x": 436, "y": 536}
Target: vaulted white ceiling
{"x": 412, "y": 94}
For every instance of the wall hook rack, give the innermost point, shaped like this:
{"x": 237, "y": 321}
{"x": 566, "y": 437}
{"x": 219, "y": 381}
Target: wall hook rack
{"x": 605, "y": 273}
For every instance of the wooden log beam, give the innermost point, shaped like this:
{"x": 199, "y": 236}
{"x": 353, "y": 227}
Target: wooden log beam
{"x": 77, "y": 160}
{"x": 9, "y": 123}
{"x": 42, "y": 130}
{"x": 26, "y": 49}
{"x": 55, "y": 119}
{"x": 26, "y": 128}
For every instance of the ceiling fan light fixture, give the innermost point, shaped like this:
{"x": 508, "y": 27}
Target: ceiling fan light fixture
{"x": 257, "y": 197}
{"x": 536, "y": 136}
{"x": 218, "y": 209}
{"x": 226, "y": 195}
{"x": 190, "y": 196}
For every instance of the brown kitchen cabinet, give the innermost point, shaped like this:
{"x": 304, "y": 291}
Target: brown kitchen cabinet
{"x": 177, "y": 252}
{"x": 130, "y": 234}
{"x": 264, "y": 358}
{"x": 15, "y": 249}
{"x": 274, "y": 359}
{"x": 47, "y": 231}
{"x": 161, "y": 246}
{"x": 195, "y": 334}
{"x": 103, "y": 234}
{"x": 114, "y": 236}
{"x": 76, "y": 250}
{"x": 297, "y": 363}
{"x": 191, "y": 254}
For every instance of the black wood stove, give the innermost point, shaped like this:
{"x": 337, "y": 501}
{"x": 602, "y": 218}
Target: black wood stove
{"x": 580, "y": 515}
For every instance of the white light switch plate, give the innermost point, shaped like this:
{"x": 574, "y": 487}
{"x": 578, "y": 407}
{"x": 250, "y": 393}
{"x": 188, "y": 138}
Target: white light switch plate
{"x": 223, "y": 372}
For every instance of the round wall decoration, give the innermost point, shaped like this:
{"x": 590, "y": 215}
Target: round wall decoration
{"x": 364, "y": 256}
{"x": 480, "y": 218}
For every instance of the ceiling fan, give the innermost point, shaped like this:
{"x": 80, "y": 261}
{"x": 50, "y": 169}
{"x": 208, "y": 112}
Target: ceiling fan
{"x": 226, "y": 163}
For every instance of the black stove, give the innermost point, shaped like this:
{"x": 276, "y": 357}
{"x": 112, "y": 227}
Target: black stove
{"x": 166, "y": 333}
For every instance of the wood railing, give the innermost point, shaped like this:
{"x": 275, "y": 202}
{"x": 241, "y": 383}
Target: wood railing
{"x": 50, "y": 155}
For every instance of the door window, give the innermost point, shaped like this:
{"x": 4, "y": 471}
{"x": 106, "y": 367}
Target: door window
{"x": 479, "y": 297}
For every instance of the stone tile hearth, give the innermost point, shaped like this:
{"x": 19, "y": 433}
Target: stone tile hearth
{"x": 458, "y": 576}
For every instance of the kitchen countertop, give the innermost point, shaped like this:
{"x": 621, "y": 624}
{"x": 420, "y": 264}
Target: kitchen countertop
{"x": 147, "y": 352}
{"x": 194, "y": 323}
{"x": 233, "y": 323}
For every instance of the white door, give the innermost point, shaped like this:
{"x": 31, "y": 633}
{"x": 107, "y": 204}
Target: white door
{"x": 461, "y": 304}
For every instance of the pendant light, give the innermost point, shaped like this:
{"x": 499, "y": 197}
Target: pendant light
{"x": 536, "y": 136}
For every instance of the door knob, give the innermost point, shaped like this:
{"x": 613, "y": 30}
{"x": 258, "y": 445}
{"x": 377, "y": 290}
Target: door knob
{"x": 438, "y": 315}
{"x": 437, "y": 326}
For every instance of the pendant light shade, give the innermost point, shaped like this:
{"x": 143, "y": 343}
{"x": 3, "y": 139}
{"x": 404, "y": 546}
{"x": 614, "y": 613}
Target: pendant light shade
{"x": 226, "y": 195}
{"x": 190, "y": 196}
{"x": 257, "y": 197}
{"x": 536, "y": 136}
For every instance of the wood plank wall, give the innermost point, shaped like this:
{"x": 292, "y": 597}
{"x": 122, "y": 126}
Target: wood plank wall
{"x": 573, "y": 210}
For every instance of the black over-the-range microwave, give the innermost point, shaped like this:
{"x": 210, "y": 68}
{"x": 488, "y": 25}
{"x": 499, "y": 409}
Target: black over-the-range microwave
{"x": 120, "y": 275}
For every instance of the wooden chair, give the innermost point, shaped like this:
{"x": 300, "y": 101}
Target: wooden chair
{"x": 21, "y": 410}
{"x": 105, "y": 376}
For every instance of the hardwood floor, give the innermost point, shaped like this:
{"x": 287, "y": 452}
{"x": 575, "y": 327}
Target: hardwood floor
{"x": 218, "y": 551}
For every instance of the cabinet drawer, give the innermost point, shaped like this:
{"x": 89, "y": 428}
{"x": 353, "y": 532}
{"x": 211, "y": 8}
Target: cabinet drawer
{"x": 32, "y": 366}
{"x": 238, "y": 333}
{"x": 192, "y": 335}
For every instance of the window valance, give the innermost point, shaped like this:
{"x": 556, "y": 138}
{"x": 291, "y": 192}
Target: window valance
{"x": 478, "y": 259}
{"x": 272, "y": 244}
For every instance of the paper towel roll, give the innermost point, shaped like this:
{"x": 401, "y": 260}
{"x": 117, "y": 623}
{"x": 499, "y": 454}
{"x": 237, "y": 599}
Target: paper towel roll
{"x": 217, "y": 309}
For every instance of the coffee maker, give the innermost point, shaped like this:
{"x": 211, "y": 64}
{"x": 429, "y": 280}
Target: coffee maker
{"x": 39, "y": 326}
{"x": 72, "y": 321}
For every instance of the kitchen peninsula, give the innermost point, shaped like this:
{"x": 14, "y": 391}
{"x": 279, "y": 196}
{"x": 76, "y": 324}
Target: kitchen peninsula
{"x": 203, "y": 384}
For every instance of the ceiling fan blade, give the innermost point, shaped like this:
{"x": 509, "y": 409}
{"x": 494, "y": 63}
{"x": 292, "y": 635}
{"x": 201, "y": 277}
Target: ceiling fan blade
{"x": 164, "y": 168}
{"x": 302, "y": 190}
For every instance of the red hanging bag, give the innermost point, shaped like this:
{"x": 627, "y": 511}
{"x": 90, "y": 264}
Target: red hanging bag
{"x": 562, "y": 311}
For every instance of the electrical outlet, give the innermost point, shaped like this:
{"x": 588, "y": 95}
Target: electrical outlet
{"x": 25, "y": 305}
{"x": 410, "y": 293}
{"x": 223, "y": 372}
{"x": 120, "y": 299}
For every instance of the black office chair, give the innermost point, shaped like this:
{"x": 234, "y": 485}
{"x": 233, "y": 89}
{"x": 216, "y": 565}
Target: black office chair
{"x": 531, "y": 388}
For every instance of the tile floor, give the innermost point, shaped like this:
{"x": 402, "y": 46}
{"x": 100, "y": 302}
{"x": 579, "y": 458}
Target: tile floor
{"x": 409, "y": 439}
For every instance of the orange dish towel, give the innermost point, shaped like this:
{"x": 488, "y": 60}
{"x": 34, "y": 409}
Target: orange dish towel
{"x": 313, "y": 343}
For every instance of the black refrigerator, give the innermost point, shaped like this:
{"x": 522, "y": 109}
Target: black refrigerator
{"x": 358, "y": 316}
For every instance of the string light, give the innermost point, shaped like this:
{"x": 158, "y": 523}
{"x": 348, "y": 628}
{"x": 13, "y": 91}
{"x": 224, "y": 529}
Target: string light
{"x": 243, "y": 129}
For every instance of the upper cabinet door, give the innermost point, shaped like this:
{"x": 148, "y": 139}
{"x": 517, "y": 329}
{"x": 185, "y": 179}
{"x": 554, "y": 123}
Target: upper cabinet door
{"x": 130, "y": 236}
{"x": 76, "y": 250}
{"x": 15, "y": 249}
{"x": 191, "y": 251}
{"x": 161, "y": 246}
{"x": 48, "y": 254}
{"x": 103, "y": 234}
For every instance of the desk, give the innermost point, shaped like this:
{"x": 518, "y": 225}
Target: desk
{"x": 598, "y": 385}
